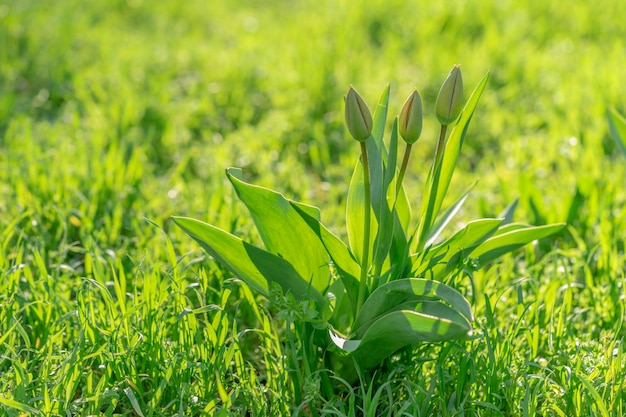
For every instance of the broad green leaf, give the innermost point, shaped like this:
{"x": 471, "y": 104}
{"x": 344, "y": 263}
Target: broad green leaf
{"x": 285, "y": 233}
{"x": 458, "y": 246}
{"x": 355, "y": 215}
{"x": 440, "y": 175}
{"x": 340, "y": 306}
{"x": 617, "y": 125}
{"x": 498, "y": 245}
{"x": 506, "y": 228}
{"x": 348, "y": 267}
{"x": 256, "y": 267}
{"x": 310, "y": 210}
{"x": 398, "y": 329}
{"x": 389, "y": 295}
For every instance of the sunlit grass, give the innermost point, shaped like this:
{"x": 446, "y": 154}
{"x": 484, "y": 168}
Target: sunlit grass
{"x": 117, "y": 111}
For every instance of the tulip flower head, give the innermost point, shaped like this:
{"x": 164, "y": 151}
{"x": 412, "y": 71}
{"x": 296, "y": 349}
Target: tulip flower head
{"x": 410, "y": 119}
{"x": 450, "y": 99}
{"x": 358, "y": 116}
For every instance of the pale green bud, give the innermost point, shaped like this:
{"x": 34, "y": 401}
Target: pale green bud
{"x": 410, "y": 120}
{"x": 358, "y": 116}
{"x": 450, "y": 99}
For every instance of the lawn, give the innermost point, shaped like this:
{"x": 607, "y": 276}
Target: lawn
{"x": 117, "y": 115}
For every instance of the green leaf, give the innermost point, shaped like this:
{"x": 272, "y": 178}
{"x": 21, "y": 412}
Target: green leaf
{"x": 380, "y": 116}
{"x": 508, "y": 213}
{"x": 16, "y": 405}
{"x": 437, "y": 259}
{"x": 440, "y": 175}
{"x": 436, "y": 323}
{"x": 387, "y": 296}
{"x": 256, "y": 267}
{"x": 348, "y": 267}
{"x": 500, "y": 244}
{"x": 617, "y": 125}
{"x": 506, "y": 228}
{"x": 355, "y": 214}
{"x": 284, "y": 232}
{"x": 446, "y": 218}
{"x": 386, "y": 209}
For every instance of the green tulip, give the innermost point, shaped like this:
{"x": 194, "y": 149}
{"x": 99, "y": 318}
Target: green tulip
{"x": 358, "y": 116}
{"x": 410, "y": 120}
{"x": 450, "y": 99}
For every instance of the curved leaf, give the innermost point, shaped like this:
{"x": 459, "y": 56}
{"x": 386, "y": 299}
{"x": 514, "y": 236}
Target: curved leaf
{"x": 500, "y": 244}
{"x": 443, "y": 221}
{"x": 348, "y": 267}
{"x": 438, "y": 259}
{"x": 253, "y": 265}
{"x": 284, "y": 232}
{"x": 388, "y": 296}
{"x": 398, "y": 329}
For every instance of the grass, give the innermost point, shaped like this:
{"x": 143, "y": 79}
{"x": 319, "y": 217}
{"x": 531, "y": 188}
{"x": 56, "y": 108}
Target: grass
{"x": 120, "y": 111}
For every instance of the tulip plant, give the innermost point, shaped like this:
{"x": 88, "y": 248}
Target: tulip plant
{"x": 357, "y": 303}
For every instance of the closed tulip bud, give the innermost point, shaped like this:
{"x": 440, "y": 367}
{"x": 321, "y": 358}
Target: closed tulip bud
{"x": 450, "y": 99}
{"x": 358, "y": 116}
{"x": 410, "y": 120}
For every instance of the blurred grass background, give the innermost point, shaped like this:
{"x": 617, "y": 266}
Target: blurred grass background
{"x": 188, "y": 89}
{"x": 112, "y": 111}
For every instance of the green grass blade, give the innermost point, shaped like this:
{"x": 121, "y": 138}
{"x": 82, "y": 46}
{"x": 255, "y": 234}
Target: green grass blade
{"x": 617, "y": 125}
{"x": 284, "y": 232}
{"x": 257, "y": 267}
{"x": 133, "y": 401}
{"x": 16, "y": 405}
{"x": 501, "y": 244}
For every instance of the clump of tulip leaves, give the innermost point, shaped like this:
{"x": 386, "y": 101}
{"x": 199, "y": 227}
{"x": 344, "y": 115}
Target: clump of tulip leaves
{"x": 353, "y": 305}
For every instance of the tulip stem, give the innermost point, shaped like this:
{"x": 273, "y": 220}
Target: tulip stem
{"x": 366, "y": 228}
{"x": 441, "y": 144}
{"x": 405, "y": 163}
{"x": 427, "y": 222}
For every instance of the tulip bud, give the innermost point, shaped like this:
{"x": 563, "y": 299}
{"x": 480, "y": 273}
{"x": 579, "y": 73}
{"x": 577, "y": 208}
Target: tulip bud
{"x": 410, "y": 120}
{"x": 358, "y": 116}
{"x": 450, "y": 100}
